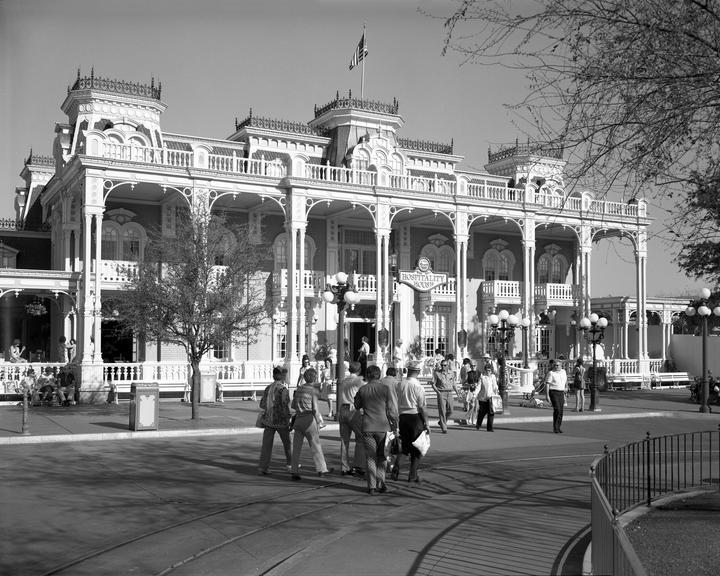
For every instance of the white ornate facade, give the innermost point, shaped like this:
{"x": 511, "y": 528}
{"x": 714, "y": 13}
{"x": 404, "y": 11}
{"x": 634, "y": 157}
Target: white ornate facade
{"x": 342, "y": 192}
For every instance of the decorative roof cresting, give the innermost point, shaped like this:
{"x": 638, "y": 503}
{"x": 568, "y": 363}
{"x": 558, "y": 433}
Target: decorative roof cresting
{"x": 116, "y": 86}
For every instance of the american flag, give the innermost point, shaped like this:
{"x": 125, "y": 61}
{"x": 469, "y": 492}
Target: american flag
{"x": 360, "y": 52}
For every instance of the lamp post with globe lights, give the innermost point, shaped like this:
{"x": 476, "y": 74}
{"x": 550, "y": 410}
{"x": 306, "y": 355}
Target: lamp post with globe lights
{"x": 343, "y": 294}
{"x": 704, "y": 312}
{"x": 594, "y": 331}
{"x": 502, "y": 328}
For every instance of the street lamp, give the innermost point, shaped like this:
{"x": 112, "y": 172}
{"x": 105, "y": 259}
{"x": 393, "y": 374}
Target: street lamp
{"x": 343, "y": 294}
{"x": 502, "y": 328}
{"x": 704, "y": 312}
{"x": 525, "y": 326}
{"x": 594, "y": 331}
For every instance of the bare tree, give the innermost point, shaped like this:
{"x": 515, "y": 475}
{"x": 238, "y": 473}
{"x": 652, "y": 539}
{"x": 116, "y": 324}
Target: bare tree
{"x": 198, "y": 289}
{"x": 629, "y": 88}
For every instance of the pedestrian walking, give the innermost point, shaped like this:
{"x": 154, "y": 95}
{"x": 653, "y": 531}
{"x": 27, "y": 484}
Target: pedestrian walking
{"x": 487, "y": 388}
{"x": 275, "y": 404}
{"x": 350, "y": 422}
{"x": 443, "y": 383}
{"x": 363, "y": 353}
{"x": 555, "y": 388}
{"x": 304, "y": 365}
{"x": 579, "y": 385}
{"x": 305, "y": 404}
{"x": 412, "y": 420}
{"x": 379, "y": 417}
{"x": 471, "y": 412}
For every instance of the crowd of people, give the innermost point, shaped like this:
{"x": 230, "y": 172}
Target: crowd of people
{"x": 374, "y": 410}
{"x": 54, "y": 384}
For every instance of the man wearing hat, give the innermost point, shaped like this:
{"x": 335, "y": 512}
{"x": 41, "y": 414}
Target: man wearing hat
{"x": 412, "y": 420}
{"x": 444, "y": 384}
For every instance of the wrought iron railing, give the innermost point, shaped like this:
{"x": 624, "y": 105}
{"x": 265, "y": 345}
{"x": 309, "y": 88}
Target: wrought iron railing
{"x": 639, "y": 473}
{"x": 644, "y": 471}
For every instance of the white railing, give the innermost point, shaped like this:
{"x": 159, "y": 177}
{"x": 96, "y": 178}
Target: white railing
{"x": 11, "y": 373}
{"x": 160, "y": 156}
{"x": 365, "y": 283}
{"x": 312, "y": 281}
{"x": 423, "y": 184}
{"x": 340, "y": 175}
{"x": 447, "y": 289}
{"x": 251, "y": 371}
{"x": 501, "y": 289}
{"x": 494, "y": 190}
{"x": 558, "y": 292}
{"x": 118, "y": 270}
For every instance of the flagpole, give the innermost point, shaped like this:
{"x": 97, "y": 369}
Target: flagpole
{"x": 362, "y": 75}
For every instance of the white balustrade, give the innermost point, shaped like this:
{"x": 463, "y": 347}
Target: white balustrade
{"x": 556, "y": 292}
{"x": 340, "y": 174}
{"x": 489, "y": 189}
{"x": 501, "y": 289}
{"x": 118, "y": 270}
{"x": 365, "y": 283}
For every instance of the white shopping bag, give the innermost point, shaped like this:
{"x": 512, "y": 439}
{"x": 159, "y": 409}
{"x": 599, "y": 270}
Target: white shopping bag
{"x": 422, "y": 442}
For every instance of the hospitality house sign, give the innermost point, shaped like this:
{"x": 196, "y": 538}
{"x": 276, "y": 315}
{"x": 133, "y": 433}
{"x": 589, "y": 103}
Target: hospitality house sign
{"x": 422, "y": 278}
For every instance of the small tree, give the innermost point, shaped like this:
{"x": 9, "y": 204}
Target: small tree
{"x": 197, "y": 289}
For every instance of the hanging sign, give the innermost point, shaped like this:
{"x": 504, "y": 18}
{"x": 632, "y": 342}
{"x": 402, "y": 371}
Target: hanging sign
{"x": 422, "y": 279}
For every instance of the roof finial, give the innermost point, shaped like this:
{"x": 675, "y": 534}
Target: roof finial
{"x": 92, "y": 73}
{"x": 337, "y": 94}
{"x": 78, "y": 73}
{"x": 350, "y": 93}
{"x": 250, "y": 116}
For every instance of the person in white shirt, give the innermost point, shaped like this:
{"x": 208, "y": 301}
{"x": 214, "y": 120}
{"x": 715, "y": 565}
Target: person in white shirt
{"x": 485, "y": 390}
{"x": 555, "y": 388}
{"x": 413, "y": 420}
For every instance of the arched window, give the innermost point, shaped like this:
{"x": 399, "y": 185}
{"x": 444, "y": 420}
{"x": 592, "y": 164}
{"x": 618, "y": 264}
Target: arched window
{"x": 361, "y": 161}
{"x": 110, "y": 241}
{"x": 130, "y": 244}
{"x": 552, "y": 267}
{"x": 381, "y": 158}
{"x": 396, "y": 162}
{"x": 280, "y": 251}
{"x": 498, "y": 262}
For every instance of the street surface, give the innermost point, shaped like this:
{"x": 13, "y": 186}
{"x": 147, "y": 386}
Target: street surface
{"x": 516, "y": 501}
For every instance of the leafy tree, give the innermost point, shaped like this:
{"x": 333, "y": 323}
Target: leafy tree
{"x": 197, "y": 289}
{"x": 700, "y": 253}
{"x": 629, "y": 88}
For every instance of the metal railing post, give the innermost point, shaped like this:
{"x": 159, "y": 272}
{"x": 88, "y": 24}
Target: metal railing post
{"x": 647, "y": 467}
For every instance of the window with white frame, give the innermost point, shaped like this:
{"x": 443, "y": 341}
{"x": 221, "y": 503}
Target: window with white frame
{"x": 396, "y": 162}
{"x": 358, "y": 254}
{"x": 221, "y": 350}
{"x": 361, "y": 160}
{"x": 552, "y": 267}
{"x": 498, "y": 262}
{"x": 122, "y": 242}
{"x": 434, "y": 330}
{"x": 280, "y": 335}
{"x": 280, "y": 251}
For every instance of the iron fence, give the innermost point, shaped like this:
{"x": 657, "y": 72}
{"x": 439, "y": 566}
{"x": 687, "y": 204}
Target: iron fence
{"x": 639, "y": 473}
{"x": 643, "y": 471}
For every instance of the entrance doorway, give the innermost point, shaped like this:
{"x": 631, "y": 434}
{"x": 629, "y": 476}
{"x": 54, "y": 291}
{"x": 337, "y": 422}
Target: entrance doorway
{"x": 355, "y": 332}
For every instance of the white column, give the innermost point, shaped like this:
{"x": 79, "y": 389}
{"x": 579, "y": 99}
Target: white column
{"x": 379, "y": 315}
{"x": 87, "y": 305}
{"x": 292, "y": 311}
{"x": 302, "y": 324}
{"x": 97, "y": 332}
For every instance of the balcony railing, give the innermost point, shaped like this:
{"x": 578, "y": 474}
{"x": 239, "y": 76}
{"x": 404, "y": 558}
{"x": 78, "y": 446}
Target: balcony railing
{"x": 312, "y": 281}
{"x": 489, "y": 189}
{"x": 557, "y": 292}
{"x": 501, "y": 290}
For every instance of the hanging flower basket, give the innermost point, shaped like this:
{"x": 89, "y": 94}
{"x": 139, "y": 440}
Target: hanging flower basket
{"x": 35, "y": 308}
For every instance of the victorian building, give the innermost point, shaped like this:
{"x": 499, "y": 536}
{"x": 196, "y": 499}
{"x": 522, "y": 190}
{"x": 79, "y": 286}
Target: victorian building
{"x": 431, "y": 248}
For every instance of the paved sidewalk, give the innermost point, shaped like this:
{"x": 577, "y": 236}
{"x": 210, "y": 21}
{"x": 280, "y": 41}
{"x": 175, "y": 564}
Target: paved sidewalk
{"x": 513, "y": 502}
{"x": 111, "y": 421}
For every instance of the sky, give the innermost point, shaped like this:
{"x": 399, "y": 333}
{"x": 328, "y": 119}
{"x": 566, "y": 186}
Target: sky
{"x": 216, "y": 59}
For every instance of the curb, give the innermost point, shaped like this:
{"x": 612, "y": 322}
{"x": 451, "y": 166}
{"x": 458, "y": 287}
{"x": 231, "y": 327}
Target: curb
{"x": 246, "y": 430}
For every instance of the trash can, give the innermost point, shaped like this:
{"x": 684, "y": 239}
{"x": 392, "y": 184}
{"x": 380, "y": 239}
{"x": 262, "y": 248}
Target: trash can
{"x": 601, "y": 378}
{"x": 144, "y": 405}
{"x": 208, "y": 382}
